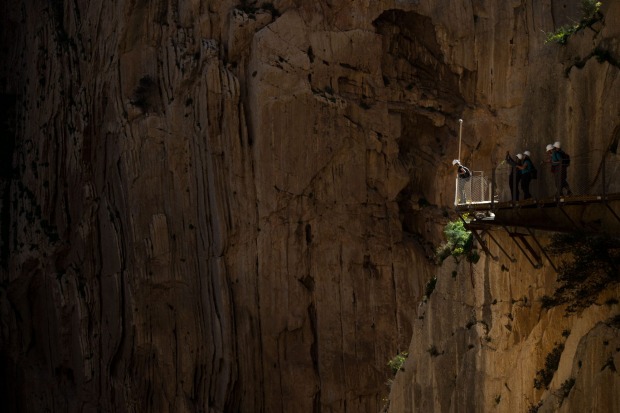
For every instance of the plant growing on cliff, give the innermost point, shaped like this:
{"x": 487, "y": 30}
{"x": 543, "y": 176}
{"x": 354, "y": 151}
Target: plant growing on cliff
{"x": 533, "y": 408}
{"x": 609, "y": 364}
{"x": 271, "y": 8}
{"x": 432, "y": 350}
{"x": 591, "y": 265}
{"x": 430, "y": 287}
{"x": 143, "y": 94}
{"x": 250, "y": 8}
{"x": 396, "y": 364}
{"x": 566, "y": 387}
{"x": 552, "y": 361}
{"x": 459, "y": 242}
{"x": 590, "y": 14}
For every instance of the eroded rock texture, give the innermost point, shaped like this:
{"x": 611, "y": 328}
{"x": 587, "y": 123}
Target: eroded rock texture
{"x": 223, "y": 207}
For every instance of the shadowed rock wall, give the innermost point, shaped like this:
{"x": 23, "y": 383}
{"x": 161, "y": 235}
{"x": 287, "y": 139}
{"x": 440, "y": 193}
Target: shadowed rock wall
{"x": 221, "y": 207}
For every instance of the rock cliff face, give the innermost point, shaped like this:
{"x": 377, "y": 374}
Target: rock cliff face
{"x": 227, "y": 206}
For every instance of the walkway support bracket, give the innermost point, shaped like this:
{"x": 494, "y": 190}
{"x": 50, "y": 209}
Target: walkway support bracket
{"x": 611, "y": 210}
{"x": 542, "y": 249}
{"x": 511, "y": 258}
{"x": 524, "y": 245}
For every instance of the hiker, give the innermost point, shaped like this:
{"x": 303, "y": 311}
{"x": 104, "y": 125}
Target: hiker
{"x": 558, "y": 159}
{"x": 526, "y": 170}
{"x": 559, "y": 163}
{"x": 464, "y": 176}
{"x": 515, "y": 176}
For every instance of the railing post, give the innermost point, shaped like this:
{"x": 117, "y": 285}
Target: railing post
{"x": 604, "y": 182}
{"x": 514, "y": 194}
{"x": 492, "y": 188}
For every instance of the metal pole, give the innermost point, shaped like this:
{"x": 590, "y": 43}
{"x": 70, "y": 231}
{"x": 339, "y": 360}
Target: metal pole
{"x": 460, "y": 134}
{"x": 604, "y": 183}
{"x": 493, "y": 188}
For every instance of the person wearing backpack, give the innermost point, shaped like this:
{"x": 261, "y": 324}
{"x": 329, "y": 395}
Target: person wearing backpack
{"x": 515, "y": 177}
{"x": 464, "y": 176}
{"x": 560, "y": 161}
{"x": 526, "y": 171}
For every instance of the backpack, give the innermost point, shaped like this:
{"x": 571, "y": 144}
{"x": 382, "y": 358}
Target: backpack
{"x": 565, "y": 158}
{"x": 467, "y": 173}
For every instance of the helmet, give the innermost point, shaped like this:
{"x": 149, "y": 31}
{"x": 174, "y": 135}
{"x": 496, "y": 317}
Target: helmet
{"x": 519, "y": 156}
{"x": 526, "y": 153}
{"x": 556, "y": 145}
{"x": 455, "y": 162}
{"x": 549, "y": 147}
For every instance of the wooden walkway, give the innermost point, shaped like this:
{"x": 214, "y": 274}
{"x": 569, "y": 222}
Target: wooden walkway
{"x": 588, "y": 213}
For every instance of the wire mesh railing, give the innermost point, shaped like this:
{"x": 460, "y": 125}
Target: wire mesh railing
{"x": 592, "y": 174}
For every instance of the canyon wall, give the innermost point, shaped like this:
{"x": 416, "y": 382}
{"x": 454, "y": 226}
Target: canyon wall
{"x": 233, "y": 207}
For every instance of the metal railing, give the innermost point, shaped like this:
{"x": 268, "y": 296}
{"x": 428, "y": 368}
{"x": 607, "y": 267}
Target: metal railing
{"x": 475, "y": 189}
{"x": 595, "y": 173}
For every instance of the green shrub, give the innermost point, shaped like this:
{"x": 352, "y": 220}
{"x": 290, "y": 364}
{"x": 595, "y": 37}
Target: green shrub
{"x": 533, "y": 408}
{"x": 566, "y": 387}
{"x": 591, "y": 264}
{"x": 552, "y": 361}
{"x": 614, "y": 321}
{"x": 548, "y": 301}
{"x": 396, "y": 364}
{"x": 561, "y": 35}
{"x": 590, "y": 11}
{"x": 459, "y": 242}
{"x": 473, "y": 257}
{"x": 590, "y": 14}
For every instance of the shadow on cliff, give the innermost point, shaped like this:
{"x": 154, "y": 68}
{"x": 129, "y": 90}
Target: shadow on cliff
{"x": 432, "y": 94}
{"x": 7, "y": 147}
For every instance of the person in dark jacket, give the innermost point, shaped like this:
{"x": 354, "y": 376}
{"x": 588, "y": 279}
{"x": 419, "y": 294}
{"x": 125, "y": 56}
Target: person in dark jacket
{"x": 515, "y": 175}
{"x": 464, "y": 176}
{"x": 558, "y": 168}
{"x": 525, "y": 171}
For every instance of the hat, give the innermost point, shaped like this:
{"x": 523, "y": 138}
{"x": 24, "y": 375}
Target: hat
{"x": 556, "y": 145}
{"x": 549, "y": 147}
{"x": 519, "y": 156}
{"x": 455, "y": 162}
{"x": 526, "y": 153}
